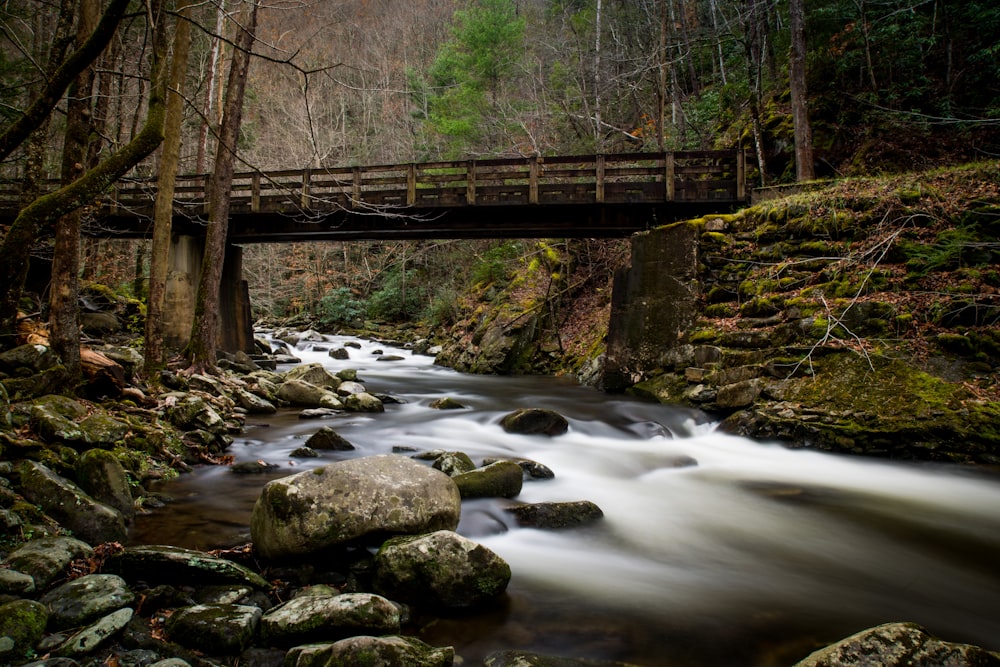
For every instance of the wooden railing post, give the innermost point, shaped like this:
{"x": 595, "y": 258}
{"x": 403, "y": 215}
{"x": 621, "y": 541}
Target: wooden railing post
{"x": 741, "y": 175}
{"x": 304, "y": 201}
{"x": 599, "y": 179}
{"x": 255, "y": 192}
{"x": 411, "y": 184}
{"x": 470, "y": 183}
{"x": 356, "y": 186}
{"x": 533, "y": 180}
{"x": 208, "y": 181}
{"x": 668, "y": 176}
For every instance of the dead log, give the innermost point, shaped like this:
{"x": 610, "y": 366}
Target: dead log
{"x": 103, "y": 376}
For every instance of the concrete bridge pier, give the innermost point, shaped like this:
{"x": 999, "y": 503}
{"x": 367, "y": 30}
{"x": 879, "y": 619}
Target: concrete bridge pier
{"x": 235, "y": 324}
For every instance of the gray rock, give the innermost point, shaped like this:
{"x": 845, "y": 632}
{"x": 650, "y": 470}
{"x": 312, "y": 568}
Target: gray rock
{"x": 502, "y": 479}
{"x": 167, "y": 564}
{"x": 348, "y": 387}
{"x": 532, "y": 469}
{"x": 441, "y": 569}
{"x": 327, "y": 438}
{"x": 252, "y": 403}
{"x": 535, "y": 421}
{"x": 314, "y": 617}
{"x": 55, "y": 418}
{"x": 15, "y": 583}
{"x": 100, "y": 323}
{"x": 390, "y": 357}
{"x": 363, "y": 402}
{"x": 738, "y": 394}
{"x": 339, "y": 353}
{"x": 314, "y": 374}
{"x": 305, "y": 394}
{"x": 252, "y": 467}
{"x": 348, "y": 374}
{"x": 556, "y": 515}
{"x": 36, "y": 357}
{"x": 899, "y": 645}
{"x": 91, "y": 637}
{"x": 453, "y": 463}
{"x": 104, "y": 479}
{"x": 171, "y": 662}
{"x": 23, "y": 623}
{"x": 304, "y": 453}
{"x": 67, "y": 503}
{"x": 446, "y": 403}
{"x": 348, "y": 500}
{"x": 83, "y": 600}
{"x": 46, "y": 558}
{"x": 102, "y": 430}
{"x": 317, "y": 413}
{"x": 194, "y": 413}
{"x": 215, "y": 629}
{"x": 389, "y": 651}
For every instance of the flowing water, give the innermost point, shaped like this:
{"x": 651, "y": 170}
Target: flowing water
{"x": 714, "y": 550}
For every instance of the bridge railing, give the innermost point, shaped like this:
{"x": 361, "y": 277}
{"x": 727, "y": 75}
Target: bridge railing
{"x": 690, "y": 176}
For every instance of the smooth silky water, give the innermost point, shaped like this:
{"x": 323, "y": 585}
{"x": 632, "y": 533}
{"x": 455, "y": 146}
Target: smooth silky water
{"x": 714, "y": 550}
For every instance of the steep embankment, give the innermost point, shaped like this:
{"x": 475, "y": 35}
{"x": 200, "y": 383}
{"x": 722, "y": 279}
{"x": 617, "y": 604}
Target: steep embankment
{"x": 857, "y": 317}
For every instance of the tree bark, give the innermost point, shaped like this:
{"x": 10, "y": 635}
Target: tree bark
{"x": 201, "y": 349}
{"x": 164, "y": 209}
{"x": 64, "y": 325}
{"x": 804, "y": 166}
{"x": 31, "y": 218}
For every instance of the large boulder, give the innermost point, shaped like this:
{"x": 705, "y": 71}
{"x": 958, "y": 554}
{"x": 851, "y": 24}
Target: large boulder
{"x": 35, "y": 357}
{"x": 86, "y": 599}
{"x": 252, "y": 403}
{"x": 899, "y": 645}
{"x": 315, "y": 375}
{"x": 67, "y": 503}
{"x": 363, "y": 402}
{"x": 22, "y": 624}
{"x": 308, "y": 395}
{"x": 315, "y": 617}
{"x": 103, "y": 477}
{"x": 55, "y": 419}
{"x": 189, "y": 412}
{"x": 328, "y": 438}
{"x": 556, "y": 515}
{"x": 390, "y": 651}
{"x": 216, "y": 629}
{"x": 349, "y": 500}
{"x": 441, "y": 569}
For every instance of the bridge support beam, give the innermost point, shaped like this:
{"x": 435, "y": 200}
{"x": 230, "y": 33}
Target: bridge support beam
{"x": 235, "y": 327}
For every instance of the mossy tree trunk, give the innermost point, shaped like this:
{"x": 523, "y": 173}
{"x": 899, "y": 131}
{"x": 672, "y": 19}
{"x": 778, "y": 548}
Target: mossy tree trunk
{"x": 202, "y": 347}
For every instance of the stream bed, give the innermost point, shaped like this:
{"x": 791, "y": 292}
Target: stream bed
{"x": 714, "y": 550}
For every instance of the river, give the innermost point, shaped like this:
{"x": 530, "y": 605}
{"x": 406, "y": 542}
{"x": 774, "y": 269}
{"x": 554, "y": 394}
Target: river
{"x": 714, "y": 550}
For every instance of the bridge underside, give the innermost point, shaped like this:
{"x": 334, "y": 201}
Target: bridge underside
{"x": 477, "y": 222}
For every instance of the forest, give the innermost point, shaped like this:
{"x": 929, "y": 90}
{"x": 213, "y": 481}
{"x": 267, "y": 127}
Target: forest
{"x": 95, "y": 92}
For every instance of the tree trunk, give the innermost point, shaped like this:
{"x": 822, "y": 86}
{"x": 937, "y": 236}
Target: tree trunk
{"x": 202, "y": 347}
{"x": 215, "y": 56}
{"x": 804, "y": 170}
{"x": 64, "y": 320}
{"x": 164, "y": 209}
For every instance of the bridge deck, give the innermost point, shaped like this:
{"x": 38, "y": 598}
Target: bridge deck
{"x": 589, "y": 195}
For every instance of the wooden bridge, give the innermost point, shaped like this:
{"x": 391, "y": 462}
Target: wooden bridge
{"x": 575, "y": 196}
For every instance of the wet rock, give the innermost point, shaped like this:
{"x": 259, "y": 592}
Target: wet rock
{"x": 313, "y": 617}
{"x": 103, "y": 477}
{"x": 899, "y": 645}
{"x": 91, "y": 637}
{"x": 327, "y": 438}
{"x": 22, "y": 622}
{"x": 353, "y": 344}
{"x": 40, "y": 384}
{"x": 67, "y": 503}
{"x": 46, "y": 558}
{"x": 446, "y": 403}
{"x": 738, "y": 394}
{"x": 513, "y": 658}
{"x": 363, "y": 402}
{"x": 348, "y": 500}
{"x": 305, "y": 394}
{"x": 189, "y": 413}
{"x": 216, "y": 629}
{"x": 252, "y": 403}
{"x": 534, "y": 421}
{"x": 314, "y": 374}
{"x": 54, "y": 418}
{"x": 252, "y": 467}
{"x": 453, "y": 463}
{"x": 502, "y": 479}
{"x": 386, "y": 651}
{"x": 348, "y": 374}
{"x": 349, "y": 387}
{"x": 556, "y": 515}
{"x": 441, "y": 569}
{"x": 390, "y": 357}
{"x": 339, "y": 353}
{"x": 532, "y": 469}
{"x": 166, "y": 564}
{"x": 317, "y": 413}
{"x": 15, "y": 583}
{"x": 86, "y": 599}
{"x": 304, "y": 453}
{"x": 102, "y": 430}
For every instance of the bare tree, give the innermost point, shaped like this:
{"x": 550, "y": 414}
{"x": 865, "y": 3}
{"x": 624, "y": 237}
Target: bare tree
{"x": 804, "y": 170}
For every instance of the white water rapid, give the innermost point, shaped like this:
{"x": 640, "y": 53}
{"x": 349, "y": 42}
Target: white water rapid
{"x": 714, "y": 550}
